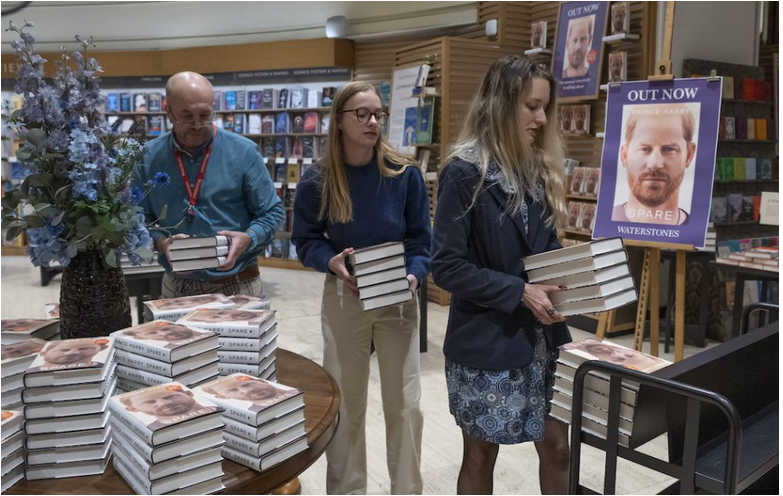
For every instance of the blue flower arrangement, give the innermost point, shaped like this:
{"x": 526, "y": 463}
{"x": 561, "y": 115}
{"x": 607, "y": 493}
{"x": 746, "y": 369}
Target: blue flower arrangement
{"x": 76, "y": 194}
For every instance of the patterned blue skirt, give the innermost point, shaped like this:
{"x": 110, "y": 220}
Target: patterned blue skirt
{"x": 504, "y": 406}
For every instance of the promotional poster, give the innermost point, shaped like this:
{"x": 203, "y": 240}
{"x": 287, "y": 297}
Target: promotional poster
{"x": 660, "y": 142}
{"x": 576, "y": 63}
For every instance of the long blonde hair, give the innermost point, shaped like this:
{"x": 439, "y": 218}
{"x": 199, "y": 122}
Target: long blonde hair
{"x": 494, "y": 133}
{"x": 336, "y": 204}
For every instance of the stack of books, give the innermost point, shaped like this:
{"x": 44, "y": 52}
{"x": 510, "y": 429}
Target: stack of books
{"x": 11, "y": 422}
{"x": 596, "y": 275}
{"x": 711, "y": 239}
{"x": 198, "y": 253}
{"x": 16, "y": 358}
{"x": 246, "y": 302}
{"x": 248, "y": 339}
{"x": 172, "y": 309}
{"x": 15, "y": 330}
{"x": 67, "y": 389}
{"x": 167, "y": 441}
{"x": 595, "y": 408}
{"x": 264, "y": 421}
{"x": 760, "y": 257}
{"x": 380, "y": 275}
{"x": 160, "y": 352}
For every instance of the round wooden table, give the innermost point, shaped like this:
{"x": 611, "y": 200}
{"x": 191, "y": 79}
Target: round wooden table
{"x": 322, "y": 403}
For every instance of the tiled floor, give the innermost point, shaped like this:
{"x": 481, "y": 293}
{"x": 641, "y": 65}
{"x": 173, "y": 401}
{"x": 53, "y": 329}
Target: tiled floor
{"x": 296, "y": 295}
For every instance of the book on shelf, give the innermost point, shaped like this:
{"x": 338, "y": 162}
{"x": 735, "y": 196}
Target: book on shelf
{"x": 425, "y": 119}
{"x": 71, "y": 361}
{"x": 112, "y": 102}
{"x": 12, "y": 382}
{"x": 281, "y": 123}
{"x": 249, "y": 357}
{"x": 600, "y": 304}
{"x": 155, "y": 125}
{"x": 13, "y": 476}
{"x": 71, "y": 454}
{"x": 12, "y": 443}
{"x": 254, "y": 124}
{"x": 169, "y": 369}
{"x": 251, "y": 399}
{"x": 199, "y": 242}
{"x": 386, "y": 300}
{"x": 328, "y": 94}
{"x": 325, "y": 123}
{"x": 241, "y": 100}
{"x": 13, "y": 460}
{"x": 254, "y": 100}
{"x": 268, "y": 149}
{"x": 298, "y": 97}
{"x": 17, "y": 356}
{"x": 165, "y": 413}
{"x": 589, "y": 424}
{"x": 577, "y": 266}
{"x": 66, "y": 470}
{"x": 376, "y": 252}
{"x": 310, "y": 124}
{"x": 140, "y": 102}
{"x": 269, "y": 428}
{"x": 585, "y": 250}
{"x": 247, "y": 302}
{"x": 269, "y": 98}
{"x": 596, "y": 382}
{"x": 240, "y": 123}
{"x": 174, "y": 308}
{"x": 589, "y": 396}
{"x": 155, "y": 102}
{"x": 192, "y": 253}
{"x": 166, "y": 485}
{"x": 233, "y": 322}
{"x": 267, "y": 445}
{"x": 164, "y": 340}
{"x": 217, "y": 100}
{"x": 66, "y": 424}
{"x": 69, "y": 439}
{"x": 267, "y": 124}
{"x": 591, "y": 292}
{"x": 281, "y": 148}
{"x": 297, "y": 124}
{"x": 155, "y": 471}
{"x": 230, "y": 100}
{"x": 125, "y": 102}
{"x": 70, "y": 407}
{"x": 167, "y": 451}
{"x": 269, "y": 460}
{"x": 190, "y": 378}
{"x": 282, "y": 98}
{"x": 313, "y": 99}
{"x": 15, "y": 330}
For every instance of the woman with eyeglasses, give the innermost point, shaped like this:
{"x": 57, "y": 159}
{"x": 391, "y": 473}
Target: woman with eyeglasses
{"x": 362, "y": 193}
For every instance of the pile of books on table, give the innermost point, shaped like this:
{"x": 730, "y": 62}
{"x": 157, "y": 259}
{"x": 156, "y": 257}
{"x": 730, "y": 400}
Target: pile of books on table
{"x": 380, "y": 275}
{"x": 248, "y": 338}
{"x": 12, "y": 447}
{"x": 167, "y": 441}
{"x": 760, "y": 257}
{"x": 264, "y": 421}
{"x": 16, "y": 357}
{"x": 67, "y": 389}
{"x": 246, "y": 302}
{"x": 160, "y": 352}
{"x": 198, "y": 253}
{"x": 14, "y": 330}
{"x": 172, "y": 309}
{"x": 596, "y": 276}
{"x": 595, "y": 409}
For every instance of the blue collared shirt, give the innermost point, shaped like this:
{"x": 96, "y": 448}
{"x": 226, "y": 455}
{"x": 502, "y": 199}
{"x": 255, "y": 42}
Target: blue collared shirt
{"x": 237, "y": 194}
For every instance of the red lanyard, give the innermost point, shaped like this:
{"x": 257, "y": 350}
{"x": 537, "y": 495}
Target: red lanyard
{"x": 193, "y": 192}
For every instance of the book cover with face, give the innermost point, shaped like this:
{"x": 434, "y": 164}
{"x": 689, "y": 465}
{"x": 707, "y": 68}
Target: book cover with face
{"x": 23, "y": 326}
{"x": 606, "y": 351}
{"x": 232, "y": 316}
{"x": 71, "y": 354}
{"x": 162, "y": 334}
{"x": 247, "y": 302}
{"x": 245, "y": 392}
{"x": 21, "y": 351}
{"x": 188, "y": 303}
{"x": 163, "y": 405}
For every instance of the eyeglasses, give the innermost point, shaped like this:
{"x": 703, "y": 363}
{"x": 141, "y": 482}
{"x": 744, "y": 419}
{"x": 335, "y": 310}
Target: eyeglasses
{"x": 363, "y": 115}
{"x": 193, "y": 122}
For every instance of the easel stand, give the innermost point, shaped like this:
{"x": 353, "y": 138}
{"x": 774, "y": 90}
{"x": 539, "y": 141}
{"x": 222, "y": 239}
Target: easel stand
{"x": 649, "y": 284}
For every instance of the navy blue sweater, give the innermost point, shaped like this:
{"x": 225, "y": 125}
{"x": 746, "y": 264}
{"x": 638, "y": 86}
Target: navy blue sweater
{"x": 384, "y": 209}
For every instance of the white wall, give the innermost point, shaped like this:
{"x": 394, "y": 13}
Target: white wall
{"x": 719, "y": 31}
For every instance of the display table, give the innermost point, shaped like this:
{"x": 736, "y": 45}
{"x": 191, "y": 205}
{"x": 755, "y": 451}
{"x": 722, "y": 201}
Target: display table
{"x": 322, "y": 403}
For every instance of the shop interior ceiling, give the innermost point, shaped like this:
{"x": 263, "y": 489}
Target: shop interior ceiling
{"x": 157, "y": 25}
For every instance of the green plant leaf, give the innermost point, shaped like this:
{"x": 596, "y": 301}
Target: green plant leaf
{"x": 56, "y": 221}
{"x": 23, "y": 155}
{"x": 163, "y": 212}
{"x": 37, "y": 137}
{"x": 34, "y": 220}
{"x": 39, "y": 180}
{"x": 13, "y": 233}
{"x": 111, "y": 258}
{"x": 53, "y": 155}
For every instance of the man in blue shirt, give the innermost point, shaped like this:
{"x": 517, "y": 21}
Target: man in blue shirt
{"x": 219, "y": 185}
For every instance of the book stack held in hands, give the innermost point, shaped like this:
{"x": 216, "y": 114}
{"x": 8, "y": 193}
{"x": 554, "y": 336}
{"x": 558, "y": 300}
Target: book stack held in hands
{"x": 67, "y": 389}
{"x": 248, "y": 338}
{"x": 160, "y": 352}
{"x": 264, "y": 421}
{"x": 380, "y": 275}
{"x": 198, "y": 253}
{"x": 172, "y": 309}
{"x": 16, "y": 357}
{"x": 14, "y": 330}
{"x": 596, "y": 275}
{"x": 595, "y": 409}
{"x": 11, "y": 422}
{"x": 166, "y": 440}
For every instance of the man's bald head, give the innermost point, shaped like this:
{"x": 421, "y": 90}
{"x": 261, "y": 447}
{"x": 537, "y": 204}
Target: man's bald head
{"x": 188, "y": 86}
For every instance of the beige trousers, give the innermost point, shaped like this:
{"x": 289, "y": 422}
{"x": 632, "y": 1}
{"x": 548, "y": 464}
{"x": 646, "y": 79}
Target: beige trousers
{"x": 348, "y": 332}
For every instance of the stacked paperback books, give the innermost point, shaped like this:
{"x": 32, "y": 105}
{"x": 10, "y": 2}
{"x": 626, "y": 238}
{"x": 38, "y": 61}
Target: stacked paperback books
{"x": 67, "y": 389}
{"x": 596, "y": 275}
{"x": 167, "y": 441}
{"x": 760, "y": 257}
{"x": 595, "y": 408}
{"x": 380, "y": 275}
{"x": 248, "y": 338}
{"x": 13, "y": 465}
{"x": 174, "y": 308}
{"x": 16, "y": 358}
{"x": 160, "y": 352}
{"x": 198, "y": 253}
{"x": 14, "y": 330}
{"x": 264, "y": 421}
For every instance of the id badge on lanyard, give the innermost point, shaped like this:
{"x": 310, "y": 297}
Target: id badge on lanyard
{"x": 193, "y": 192}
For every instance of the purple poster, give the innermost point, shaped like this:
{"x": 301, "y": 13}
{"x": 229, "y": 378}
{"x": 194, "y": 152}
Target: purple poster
{"x": 576, "y": 62}
{"x": 658, "y": 161}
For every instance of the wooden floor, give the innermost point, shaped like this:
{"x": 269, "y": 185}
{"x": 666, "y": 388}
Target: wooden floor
{"x": 296, "y": 295}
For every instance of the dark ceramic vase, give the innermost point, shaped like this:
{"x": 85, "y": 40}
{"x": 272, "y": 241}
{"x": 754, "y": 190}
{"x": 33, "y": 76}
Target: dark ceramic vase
{"x": 93, "y": 298}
